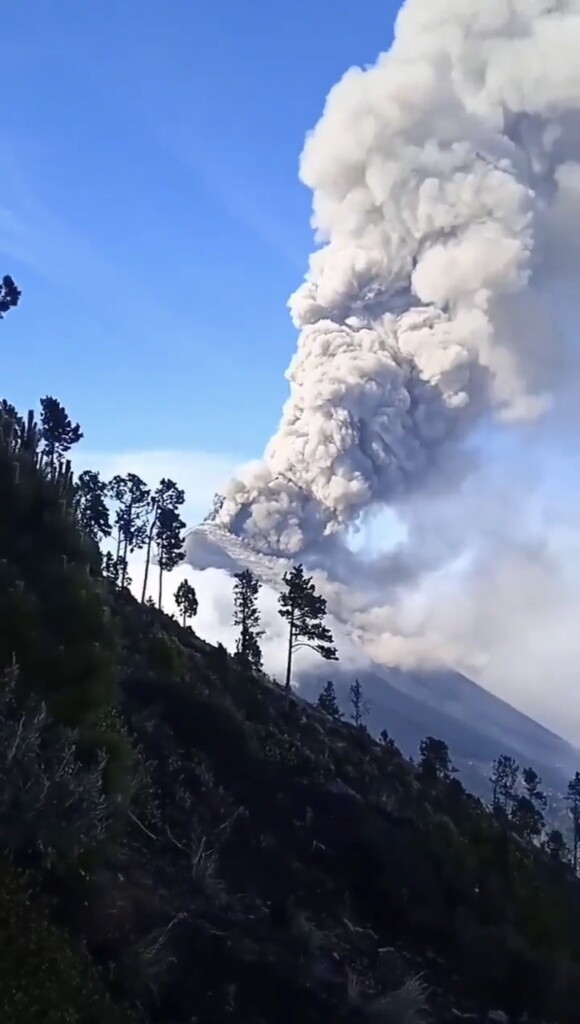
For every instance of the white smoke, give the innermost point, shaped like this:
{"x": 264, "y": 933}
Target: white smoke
{"x": 446, "y": 196}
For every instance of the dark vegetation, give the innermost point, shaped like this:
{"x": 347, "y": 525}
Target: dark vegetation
{"x": 181, "y": 839}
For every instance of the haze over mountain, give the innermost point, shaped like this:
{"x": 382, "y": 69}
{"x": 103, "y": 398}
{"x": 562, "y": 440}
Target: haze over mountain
{"x": 410, "y": 703}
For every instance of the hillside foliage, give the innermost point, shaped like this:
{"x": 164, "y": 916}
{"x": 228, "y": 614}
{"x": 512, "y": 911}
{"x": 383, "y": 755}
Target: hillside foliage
{"x": 181, "y": 838}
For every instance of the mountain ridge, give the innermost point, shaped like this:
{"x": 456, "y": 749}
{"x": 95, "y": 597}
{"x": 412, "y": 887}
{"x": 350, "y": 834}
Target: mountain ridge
{"x": 438, "y": 699}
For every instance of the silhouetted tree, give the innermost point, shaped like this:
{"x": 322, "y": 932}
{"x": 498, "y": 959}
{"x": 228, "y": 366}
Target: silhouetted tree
{"x": 18, "y": 434}
{"x": 503, "y": 780}
{"x": 526, "y": 814}
{"x": 573, "y": 800}
{"x": 304, "y": 610}
{"x": 532, "y": 782}
{"x": 360, "y": 708}
{"x": 186, "y": 601}
{"x": 387, "y": 741}
{"x": 247, "y": 617}
{"x": 435, "y": 763}
{"x": 167, "y": 496}
{"x": 526, "y": 818}
{"x": 10, "y": 412}
{"x": 90, "y": 505}
{"x": 327, "y": 701}
{"x": 53, "y": 620}
{"x": 556, "y": 845}
{"x": 9, "y": 295}
{"x": 168, "y": 538}
{"x": 132, "y": 497}
{"x": 111, "y": 568}
{"x": 57, "y": 431}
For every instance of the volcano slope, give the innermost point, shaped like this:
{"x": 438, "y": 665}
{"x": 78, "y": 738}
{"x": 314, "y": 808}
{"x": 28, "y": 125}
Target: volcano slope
{"x": 292, "y": 867}
{"x": 190, "y": 843}
{"x": 474, "y": 723}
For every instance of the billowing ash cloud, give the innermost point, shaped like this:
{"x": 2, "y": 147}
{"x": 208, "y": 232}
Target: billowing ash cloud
{"x": 446, "y": 197}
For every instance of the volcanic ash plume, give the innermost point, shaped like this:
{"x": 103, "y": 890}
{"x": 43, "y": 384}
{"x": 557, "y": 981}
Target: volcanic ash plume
{"x": 446, "y": 194}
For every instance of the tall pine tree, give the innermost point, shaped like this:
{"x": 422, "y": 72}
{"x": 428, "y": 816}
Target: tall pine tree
{"x": 168, "y": 537}
{"x": 247, "y": 617}
{"x": 435, "y": 762}
{"x": 304, "y": 611}
{"x": 167, "y": 496}
{"x": 504, "y": 777}
{"x": 57, "y": 431}
{"x": 132, "y": 498}
{"x": 327, "y": 701}
{"x": 186, "y": 601}
{"x": 360, "y": 708}
{"x": 90, "y": 505}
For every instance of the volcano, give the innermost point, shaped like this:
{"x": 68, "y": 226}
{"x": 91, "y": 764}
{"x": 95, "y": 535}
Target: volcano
{"x": 476, "y": 725}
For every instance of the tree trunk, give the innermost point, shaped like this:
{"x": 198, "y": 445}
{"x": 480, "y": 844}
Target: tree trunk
{"x": 576, "y": 840}
{"x": 184, "y": 618}
{"x": 128, "y": 525}
{"x": 160, "y": 583}
{"x": 148, "y": 558}
{"x": 124, "y": 562}
{"x": 290, "y": 653}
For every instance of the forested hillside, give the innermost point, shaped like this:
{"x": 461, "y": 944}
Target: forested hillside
{"x": 184, "y": 839}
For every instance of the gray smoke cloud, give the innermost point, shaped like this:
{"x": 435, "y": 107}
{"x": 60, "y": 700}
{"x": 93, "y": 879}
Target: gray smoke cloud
{"x": 446, "y": 203}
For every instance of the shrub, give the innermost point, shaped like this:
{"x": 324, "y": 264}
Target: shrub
{"x": 44, "y": 977}
{"x": 52, "y": 808}
{"x": 407, "y": 1005}
{"x": 52, "y": 616}
{"x": 164, "y": 654}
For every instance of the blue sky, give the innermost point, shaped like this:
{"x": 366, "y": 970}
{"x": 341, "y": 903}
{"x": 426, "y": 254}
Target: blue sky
{"x": 150, "y": 207}
{"x": 151, "y": 212}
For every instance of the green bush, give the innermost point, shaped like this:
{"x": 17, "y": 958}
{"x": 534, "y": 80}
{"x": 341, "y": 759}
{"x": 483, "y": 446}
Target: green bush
{"x": 52, "y": 807}
{"x": 53, "y": 620}
{"x": 109, "y": 737}
{"x": 45, "y": 977}
{"x": 164, "y": 654}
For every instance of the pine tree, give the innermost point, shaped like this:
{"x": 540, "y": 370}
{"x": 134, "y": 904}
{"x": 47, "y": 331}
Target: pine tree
{"x": 53, "y": 622}
{"x": 9, "y": 295}
{"x": 532, "y": 782}
{"x": 503, "y": 780}
{"x": 304, "y": 610}
{"x": 90, "y": 505}
{"x": 435, "y": 763}
{"x": 388, "y": 742}
{"x": 169, "y": 541}
{"x": 527, "y": 818}
{"x": 111, "y": 568}
{"x": 573, "y": 800}
{"x": 132, "y": 497}
{"x": 360, "y": 708}
{"x": 57, "y": 431}
{"x": 247, "y": 617}
{"x": 556, "y": 845}
{"x": 327, "y": 701}
{"x": 167, "y": 496}
{"x": 186, "y": 601}
{"x": 526, "y": 814}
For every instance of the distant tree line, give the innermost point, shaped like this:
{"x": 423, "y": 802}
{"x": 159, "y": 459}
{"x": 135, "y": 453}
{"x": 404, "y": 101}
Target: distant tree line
{"x": 517, "y": 799}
